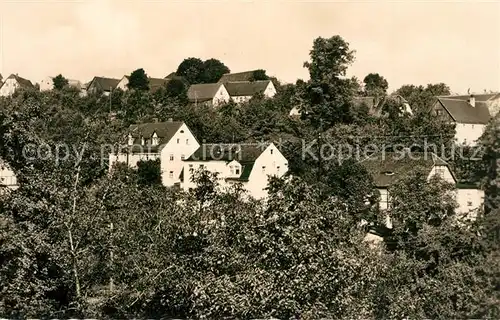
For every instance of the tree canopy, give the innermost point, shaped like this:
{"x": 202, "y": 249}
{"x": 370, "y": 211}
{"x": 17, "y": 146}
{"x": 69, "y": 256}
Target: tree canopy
{"x": 138, "y": 80}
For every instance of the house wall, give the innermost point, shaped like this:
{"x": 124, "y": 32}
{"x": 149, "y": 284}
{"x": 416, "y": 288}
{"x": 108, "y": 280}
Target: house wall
{"x": 182, "y": 145}
{"x": 468, "y": 134}
{"x": 275, "y": 165}
{"x": 9, "y": 87}
{"x": 46, "y": 84}
{"x": 7, "y": 177}
{"x": 442, "y": 171}
{"x": 122, "y": 84}
{"x": 441, "y": 112}
{"x": 270, "y": 90}
{"x": 221, "y": 96}
{"x": 469, "y": 201}
{"x": 294, "y": 112}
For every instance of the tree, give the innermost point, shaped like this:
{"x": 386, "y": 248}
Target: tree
{"x": 421, "y": 98}
{"x": 59, "y": 82}
{"x": 259, "y": 74}
{"x": 149, "y": 172}
{"x": 191, "y": 69}
{"x": 213, "y": 70}
{"x": 176, "y": 88}
{"x": 375, "y": 85}
{"x": 330, "y": 58}
{"x": 138, "y": 80}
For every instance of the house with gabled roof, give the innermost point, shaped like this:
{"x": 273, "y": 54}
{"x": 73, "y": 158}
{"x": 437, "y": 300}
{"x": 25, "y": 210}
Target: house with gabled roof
{"x": 387, "y": 168}
{"x": 14, "y": 82}
{"x": 154, "y": 83}
{"x": 170, "y": 141}
{"x": 212, "y": 94}
{"x": 247, "y": 164}
{"x": 102, "y": 84}
{"x": 470, "y": 113}
{"x": 47, "y": 84}
{"x": 242, "y": 91}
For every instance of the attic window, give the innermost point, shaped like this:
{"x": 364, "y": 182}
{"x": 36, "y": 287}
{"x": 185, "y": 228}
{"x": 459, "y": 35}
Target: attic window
{"x": 182, "y": 131}
{"x": 388, "y": 173}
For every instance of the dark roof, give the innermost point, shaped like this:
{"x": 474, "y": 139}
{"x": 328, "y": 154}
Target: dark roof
{"x": 374, "y": 104}
{"x": 105, "y": 84}
{"x": 246, "y": 88}
{"x": 203, "y": 92}
{"x": 156, "y": 83}
{"x": 479, "y": 97}
{"x": 243, "y": 153}
{"x": 463, "y": 112}
{"x": 164, "y": 130}
{"x": 239, "y": 76}
{"x": 23, "y": 83}
{"x": 386, "y": 168}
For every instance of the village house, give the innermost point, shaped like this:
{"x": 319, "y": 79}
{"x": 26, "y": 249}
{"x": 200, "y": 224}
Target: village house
{"x": 102, "y": 84}
{"x": 245, "y": 76}
{"x": 387, "y": 168}
{"x": 7, "y": 177}
{"x": 154, "y": 83}
{"x": 374, "y": 105}
{"x": 470, "y": 113}
{"x": 169, "y": 141}
{"x": 47, "y": 84}
{"x": 248, "y": 164}
{"x": 14, "y": 82}
{"x": 211, "y": 94}
{"x": 242, "y": 91}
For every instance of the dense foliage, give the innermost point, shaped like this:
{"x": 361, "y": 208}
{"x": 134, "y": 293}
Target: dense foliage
{"x": 80, "y": 240}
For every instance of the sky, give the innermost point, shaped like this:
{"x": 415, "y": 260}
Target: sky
{"x": 413, "y": 42}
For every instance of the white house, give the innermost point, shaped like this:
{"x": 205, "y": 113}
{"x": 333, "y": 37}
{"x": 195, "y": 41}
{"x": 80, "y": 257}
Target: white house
{"x": 248, "y": 164}
{"x": 7, "y": 177}
{"x": 154, "y": 83}
{"x": 242, "y": 91}
{"x": 387, "y": 168}
{"x": 48, "y": 84}
{"x": 470, "y": 113}
{"x": 170, "y": 141}
{"x": 14, "y": 82}
{"x": 211, "y": 94}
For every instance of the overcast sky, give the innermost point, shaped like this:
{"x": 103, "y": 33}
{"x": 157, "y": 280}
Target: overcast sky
{"x": 408, "y": 43}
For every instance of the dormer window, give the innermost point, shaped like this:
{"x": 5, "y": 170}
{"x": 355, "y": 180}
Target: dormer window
{"x": 130, "y": 139}
{"x": 155, "y": 140}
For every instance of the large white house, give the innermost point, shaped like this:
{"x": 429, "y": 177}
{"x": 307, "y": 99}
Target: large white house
{"x": 248, "y": 164}
{"x": 242, "y": 91}
{"x": 470, "y": 113}
{"x": 387, "y": 168}
{"x": 14, "y": 82}
{"x": 170, "y": 141}
{"x": 212, "y": 94}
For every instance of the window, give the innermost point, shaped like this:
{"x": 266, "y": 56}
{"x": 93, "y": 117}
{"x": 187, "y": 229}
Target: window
{"x": 190, "y": 168}
{"x": 171, "y": 174}
{"x": 271, "y": 151}
{"x": 278, "y": 168}
{"x": 472, "y": 126}
{"x": 182, "y": 131}
{"x": 178, "y": 141}
{"x": 231, "y": 169}
{"x": 238, "y": 171}
{"x": 183, "y": 157}
{"x": 201, "y": 166}
{"x": 171, "y": 157}
{"x": 439, "y": 112}
{"x": 469, "y": 203}
{"x": 263, "y": 169}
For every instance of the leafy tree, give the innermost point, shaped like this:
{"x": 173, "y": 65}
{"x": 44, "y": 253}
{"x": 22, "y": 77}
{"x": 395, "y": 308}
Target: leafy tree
{"x": 59, "y": 82}
{"x": 149, "y": 172}
{"x": 191, "y": 69}
{"x": 421, "y": 98}
{"x": 138, "y": 80}
{"x": 176, "y": 88}
{"x": 259, "y": 74}
{"x": 375, "y": 85}
{"x": 213, "y": 70}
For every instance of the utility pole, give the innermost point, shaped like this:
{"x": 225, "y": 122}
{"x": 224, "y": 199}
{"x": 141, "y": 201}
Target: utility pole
{"x": 110, "y": 93}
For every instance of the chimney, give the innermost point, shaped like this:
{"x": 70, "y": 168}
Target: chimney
{"x": 472, "y": 100}
{"x": 170, "y": 120}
